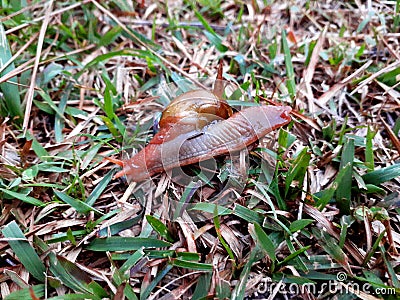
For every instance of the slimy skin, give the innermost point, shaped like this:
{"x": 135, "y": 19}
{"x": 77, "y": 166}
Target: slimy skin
{"x": 185, "y": 142}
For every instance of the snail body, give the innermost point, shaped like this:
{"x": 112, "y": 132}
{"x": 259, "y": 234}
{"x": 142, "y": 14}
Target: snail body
{"x": 190, "y": 132}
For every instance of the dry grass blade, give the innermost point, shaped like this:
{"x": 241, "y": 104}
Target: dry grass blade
{"x": 330, "y": 228}
{"x": 308, "y": 73}
{"x": 335, "y": 88}
{"x": 31, "y": 90}
{"x": 385, "y": 70}
{"x": 395, "y": 140}
{"x": 19, "y": 52}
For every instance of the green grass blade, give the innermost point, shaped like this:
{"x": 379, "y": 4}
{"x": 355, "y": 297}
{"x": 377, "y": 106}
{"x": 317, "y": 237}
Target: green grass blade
{"x": 144, "y": 294}
{"x": 221, "y": 239}
{"x": 210, "y": 208}
{"x": 105, "y": 57}
{"x": 203, "y": 21}
{"x": 298, "y": 170}
{"x": 161, "y": 253}
{"x": 77, "y": 296}
{"x": 332, "y": 247}
{"x": 238, "y": 292}
{"x": 390, "y": 264}
{"x": 69, "y": 274}
{"x": 59, "y": 121}
{"x": 119, "y": 226}
{"x": 325, "y": 196}
{"x": 209, "y": 32}
{"x": 89, "y": 155}
{"x": 216, "y": 41}
{"x": 117, "y": 243}
{"x": 160, "y": 228}
{"x": 372, "y": 251}
{"x": 24, "y": 198}
{"x": 24, "y": 251}
{"x": 202, "y": 287}
{"x": 187, "y": 195}
{"x": 98, "y": 190}
{"x": 39, "y": 150}
{"x": 247, "y": 214}
{"x": 38, "y": 291}
{"x": 290, "y": 83}
{"x": 382, "y": 175}
{"x": 223, "y": 289}
{"x": 112, "y": 128}
{"x": 192, "y": 265}
{"x": 108, "y": 100}
{"x": 299, "y": 224}
{"x": 294, "y": 255}
{"x": 265, "y": 242}
{"x": 369, "y": 151}
{"x": 396, "y": 18}
{"x": 45, "y": 96}
{"x": 188, "y": 256}
{"x": 78, "y": 205}
{"x": 343, "y": 192}
{"x": 12, "y": 101}
{"x": 110, "y": 36}
{"x": 132, "y": 260}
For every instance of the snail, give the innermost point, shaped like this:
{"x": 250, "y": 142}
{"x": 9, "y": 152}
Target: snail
{"x": 197, "y": 126}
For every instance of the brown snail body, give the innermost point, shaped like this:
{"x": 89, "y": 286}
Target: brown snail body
{"x": 190, "y": 132}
